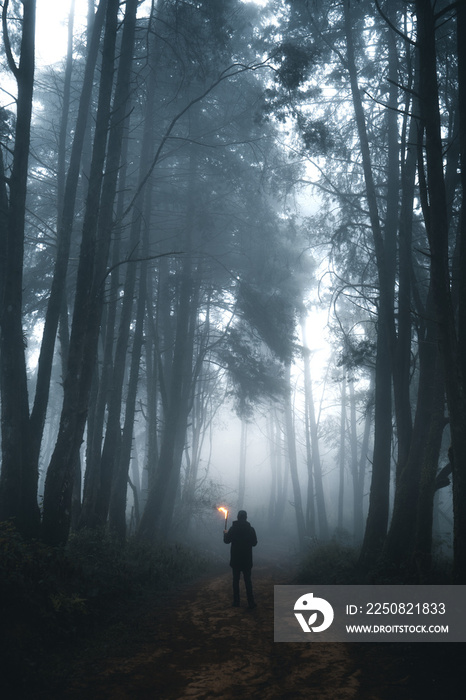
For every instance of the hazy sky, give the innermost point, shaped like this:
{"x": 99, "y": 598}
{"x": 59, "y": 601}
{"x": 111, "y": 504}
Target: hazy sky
{"x": 52, "y": 18}
{"x": 51, "y": 27}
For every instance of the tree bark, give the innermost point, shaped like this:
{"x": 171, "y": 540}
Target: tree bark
{"x": 19, "y": 475}
{"x": 322, "y": 521}
{"x": 242, "y": 464}
{"x": 358, "y": 466}
{"x": 293, "y": 462}
{"x": 117, "y": 504}
{"x": 437, "y": 229}
{"x": 90, "y": 282}
{"x": 399, "y": 544}
{"x": 66, "y": 203}
{"x": 377, "y": 518}
{"x": 342, "y": 454}
{"x": 158, "y": 511}
{"x": 422, "y": 546}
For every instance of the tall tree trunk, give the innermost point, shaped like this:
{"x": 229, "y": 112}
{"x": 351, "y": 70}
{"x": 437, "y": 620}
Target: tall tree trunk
{"x": 102, "y": 383}
{"x": 162, "y": 492}
{"x": 459, "y": 447}
{"x": 271, "y": 441}
{"x": 342, "y": 455}
{"x": 19, "y": 475}
{"x": 141, "y": 211}
{"x": 95, "y": 244}
{"x": 401, "y": 353}
{"x": 99, "y": 498}
{"x": 437, "y": 229}
{"x": 66, "y": 202}
{"x": 204, "y": 407}
{"x": 316, "y": 462}
{"x": 310, "y": 498}
{"x": 293, "y": 462}
{"x": 377, "y": 518}
{"x": 243, "y": 447}
{"x": 357, "y": 466}
{"x": 363, "y": 459}
{"x": 117, "y": 505}
{"x": 282, "y": 473}
{"x": 422, "y": 546}
{"x": 152, "y": 357}
{"x": 400, "y": 538}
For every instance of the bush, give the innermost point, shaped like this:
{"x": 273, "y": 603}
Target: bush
{"x": 336, "y": 563}
{"x": 329, "y": 563}
{"x": 110, "y": 570}
{"x": 50, "y": 597}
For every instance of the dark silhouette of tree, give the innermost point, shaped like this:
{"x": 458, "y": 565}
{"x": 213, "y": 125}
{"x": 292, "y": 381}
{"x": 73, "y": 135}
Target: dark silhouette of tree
{"x": 19, "y": 475}
{"x": 149, "y": 197}
{"x": 437, "y": 219}
{"x": 366, "y": 58}
{"x": 67, "y": 187}
{"x": 95, "y": 243}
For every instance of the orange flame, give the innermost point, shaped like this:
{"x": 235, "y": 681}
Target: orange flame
{"x": 223, "y": 510}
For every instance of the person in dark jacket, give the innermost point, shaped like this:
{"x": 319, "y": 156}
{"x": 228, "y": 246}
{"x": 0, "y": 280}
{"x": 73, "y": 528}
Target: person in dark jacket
{"x": 242, "y": 538}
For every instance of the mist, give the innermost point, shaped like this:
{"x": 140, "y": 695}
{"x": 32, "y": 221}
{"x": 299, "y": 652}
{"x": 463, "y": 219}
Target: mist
{"x": 232, "y": 239}
{"x": 222, "y": 290}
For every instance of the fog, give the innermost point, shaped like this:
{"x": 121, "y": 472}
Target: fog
{"x": 232, "y": 254}
{"x": 219, "y": 279}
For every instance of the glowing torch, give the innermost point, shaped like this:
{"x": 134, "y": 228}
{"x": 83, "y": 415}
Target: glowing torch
{"x": 224, "y": 510}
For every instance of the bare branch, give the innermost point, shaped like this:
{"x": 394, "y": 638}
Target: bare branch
{"x": 393, "y": 26}
{"x": 129, "y": 259}
{"x": 229, "y": 72}
{"x": 6, "y": 40}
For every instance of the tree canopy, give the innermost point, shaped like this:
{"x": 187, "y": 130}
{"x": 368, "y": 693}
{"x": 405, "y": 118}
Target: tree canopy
{"x": 178, "y": 197}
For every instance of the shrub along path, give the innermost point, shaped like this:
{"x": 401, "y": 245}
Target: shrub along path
{"x": 191, "y": 643}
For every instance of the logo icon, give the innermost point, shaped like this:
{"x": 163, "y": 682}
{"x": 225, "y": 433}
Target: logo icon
{"x": 307, "y": 603}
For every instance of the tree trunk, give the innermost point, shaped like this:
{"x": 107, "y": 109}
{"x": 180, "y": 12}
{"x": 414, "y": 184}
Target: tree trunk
{"x": 293, "y": 462}
{"x": 377, "y": 518}
{"x": 141, "y": 210}
{"x": 459, "y": 447}
{"x": 357, "y": 466}
{"x": 316, "y": 462}
{"x": 437, "y": 229}
{"x": 97, "y": 228}
{"x": 242, "y": 463}
{"x": 422, "y": 548}
{"x": 66, "y": 203}
{"x": 19, "y": 475}
{"x": 279, "y": 485}
{"x": 401, "y": 354}
{"x": 152, "y": 357}
{"x": 342, "y": 454}
{"x": 161, "y": 497}
{"x": 102, "y": 384}
{"x": 310, "y": 498}
{"x": 271, "y": 440}
{"x": 400, "y": 538}
{"x": 117, "y": 505}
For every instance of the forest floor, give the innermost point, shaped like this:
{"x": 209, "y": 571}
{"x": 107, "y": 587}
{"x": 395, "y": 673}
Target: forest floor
{"x": 190, "y": 643}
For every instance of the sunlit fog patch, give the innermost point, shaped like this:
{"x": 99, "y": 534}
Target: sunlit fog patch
{"x": 33, "y": 341}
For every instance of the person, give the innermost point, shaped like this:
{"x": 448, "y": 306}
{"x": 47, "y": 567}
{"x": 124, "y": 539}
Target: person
{"x": 242, "y": 538}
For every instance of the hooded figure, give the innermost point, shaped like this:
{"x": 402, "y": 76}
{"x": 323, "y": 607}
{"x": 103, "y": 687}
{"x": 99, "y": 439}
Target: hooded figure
{"x": 242, "y": 538}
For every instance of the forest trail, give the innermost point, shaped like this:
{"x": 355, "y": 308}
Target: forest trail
{"x": 193, "y": 645}
{"x": 201, "y": 647}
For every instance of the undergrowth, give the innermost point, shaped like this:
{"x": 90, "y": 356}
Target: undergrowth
{"x": 329, "y": 563}
{"x": 51, "y": 598}
{"x": 337, "y": 563}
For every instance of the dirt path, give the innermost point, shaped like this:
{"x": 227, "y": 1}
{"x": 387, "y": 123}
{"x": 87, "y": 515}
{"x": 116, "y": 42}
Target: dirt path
{"x": 195, "y": 645}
